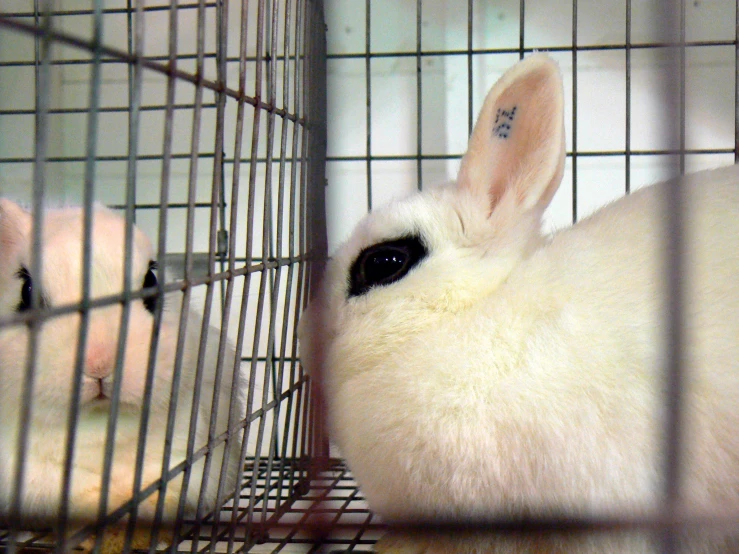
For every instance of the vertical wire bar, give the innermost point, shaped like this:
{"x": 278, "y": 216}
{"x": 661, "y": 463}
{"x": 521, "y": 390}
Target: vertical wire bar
{"x": 368, "y": 84}
{"x": 312, "y": 195}
{"x": 682, "y": 106}
{"x": 161, "y": 255}
{"x": 235, "y": 366}
{"x": 255, "y": 134}
{"x": 89, "y": 181}
{"x": 133, "y": 144}
{"x": 574, "y": 111}
{"x": 671, "y": 14}
{"x": 521, "y": 28}
{"x": 736, "y": 82}
{"x": 259, "y": 58}
{"x": 306, "y": 427}
{"x": 470, "y": 112}
{"x": 267, "y": 279}
{"x": 281, "y": 180}
{"x": 235, "y": 187}
{"x": 295, "y": 221}
{"x": 41, "y": 132}
{"x": 278, "y": 372}
{"x": 210, "y": 287}
{"x": 311, "y": 431}
{"x": 251, "y": 199}
{"x": 296, "y": 375}
{"x": 222, "y": 66}
{"x": 134, "y": 69}
{"x": 281, "y": 378}
{"x": 268, "y": 243}
{"x": 192, "y": 186}
{"x": 419, "y": 105}
{"x": 628, "y": 99}
{"x": 250, "y": 400}
{"x": 269, "y": 367}
{"x": 222, "y": 230}
{"x": 217, "y": 186}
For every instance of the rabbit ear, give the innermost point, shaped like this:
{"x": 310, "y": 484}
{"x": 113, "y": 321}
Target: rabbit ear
{"x": 518, "y": 142}
{"x": 15, "y": 224}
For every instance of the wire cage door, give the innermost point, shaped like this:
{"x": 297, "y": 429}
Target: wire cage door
{"x": 202, "y": 125}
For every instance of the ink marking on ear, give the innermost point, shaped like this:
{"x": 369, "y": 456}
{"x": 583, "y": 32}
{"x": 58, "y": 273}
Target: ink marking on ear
{"x": 504, "y": 122}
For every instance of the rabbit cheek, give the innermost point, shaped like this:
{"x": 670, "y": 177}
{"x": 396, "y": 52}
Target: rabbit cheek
{"x": 137, "y": 363}
{"x": 13, "y": 347}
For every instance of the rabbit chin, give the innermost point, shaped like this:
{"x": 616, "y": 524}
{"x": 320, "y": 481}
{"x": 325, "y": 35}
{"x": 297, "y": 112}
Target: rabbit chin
{"x": 103, "y": 404}
{"x": 94, "y": 399}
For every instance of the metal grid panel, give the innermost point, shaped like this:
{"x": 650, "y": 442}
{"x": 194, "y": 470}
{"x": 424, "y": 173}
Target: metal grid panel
{"x": 196, "y": 122}
{"x": 406, "y": 81}
{"x": 385, "y": 80}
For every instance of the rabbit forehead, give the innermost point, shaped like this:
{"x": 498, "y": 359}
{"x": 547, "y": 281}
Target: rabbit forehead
{"x": 435, "y": 216}
{"x": 63, "y": 244}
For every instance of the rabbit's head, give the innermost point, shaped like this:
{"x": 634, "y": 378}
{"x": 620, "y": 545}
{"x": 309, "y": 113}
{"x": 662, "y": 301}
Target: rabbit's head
{"x": 60, "y": 284}
{"x": 440, "y": 251}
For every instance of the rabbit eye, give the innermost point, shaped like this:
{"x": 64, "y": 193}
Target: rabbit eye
{"x": 150, "y": 280}
{"x": 26, "y": 290}
{"x": 385, "y": 263}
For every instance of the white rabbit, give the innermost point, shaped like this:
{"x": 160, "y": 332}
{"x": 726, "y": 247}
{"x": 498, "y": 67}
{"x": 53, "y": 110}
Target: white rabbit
{"x": 474, "y": 367}
{"x": 54, "y": 370}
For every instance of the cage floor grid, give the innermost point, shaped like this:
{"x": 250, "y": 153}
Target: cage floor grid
{"x": 276, "y": 512}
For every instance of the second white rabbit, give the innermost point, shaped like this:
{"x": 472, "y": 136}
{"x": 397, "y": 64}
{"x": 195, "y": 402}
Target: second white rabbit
{"x": 61, "y": 285}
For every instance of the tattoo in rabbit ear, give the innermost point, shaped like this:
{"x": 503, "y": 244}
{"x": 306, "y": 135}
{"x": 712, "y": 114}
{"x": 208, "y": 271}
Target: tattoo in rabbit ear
{"x": 503, "y": 124}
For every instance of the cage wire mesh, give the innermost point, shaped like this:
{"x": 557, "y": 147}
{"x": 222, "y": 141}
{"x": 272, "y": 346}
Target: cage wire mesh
{"x": 201, "y": 122}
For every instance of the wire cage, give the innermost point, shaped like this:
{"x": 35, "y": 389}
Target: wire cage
{"x": 205, "y": 124}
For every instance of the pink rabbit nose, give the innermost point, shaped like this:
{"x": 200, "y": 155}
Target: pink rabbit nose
{"x": 99, "y": 362}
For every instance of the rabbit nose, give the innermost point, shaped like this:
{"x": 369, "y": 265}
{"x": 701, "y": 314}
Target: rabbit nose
{"x": 98, "y": 362}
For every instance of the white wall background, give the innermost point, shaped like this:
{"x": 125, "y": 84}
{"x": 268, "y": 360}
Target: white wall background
{"x": 601, "y": 93}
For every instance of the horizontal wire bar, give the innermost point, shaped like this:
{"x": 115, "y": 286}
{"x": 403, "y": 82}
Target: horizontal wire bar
{"x": 529, "y": 49}
{"x": 264, "y": 359}
{"x": 109, "y": 11}
{"x": 111, "y": 109}
{"x": 390, "y": 54}
{"x": 36, "y": 314}
{"x": 266, "y": 59}
{"x": 698, "y": 521}
{"x": 580, "y": 153}
{"x": 140, "y": 157}
{"x": 171, "y": 206}
{"x": 376, "y": 157}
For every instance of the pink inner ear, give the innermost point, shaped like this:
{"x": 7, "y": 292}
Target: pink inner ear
{"x": 517, "y": 146}
{"x": 526, "y": 141}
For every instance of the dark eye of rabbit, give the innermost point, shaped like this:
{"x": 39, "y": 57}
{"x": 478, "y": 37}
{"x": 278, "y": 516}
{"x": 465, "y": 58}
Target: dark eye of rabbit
{"x": 26, "y": 290}
{"x": 150, "y": 280}
{"x": 384, "y": 263}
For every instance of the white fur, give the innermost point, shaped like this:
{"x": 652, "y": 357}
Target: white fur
{"x": 513, "y": 374}
{"x": 54, "y": 370}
